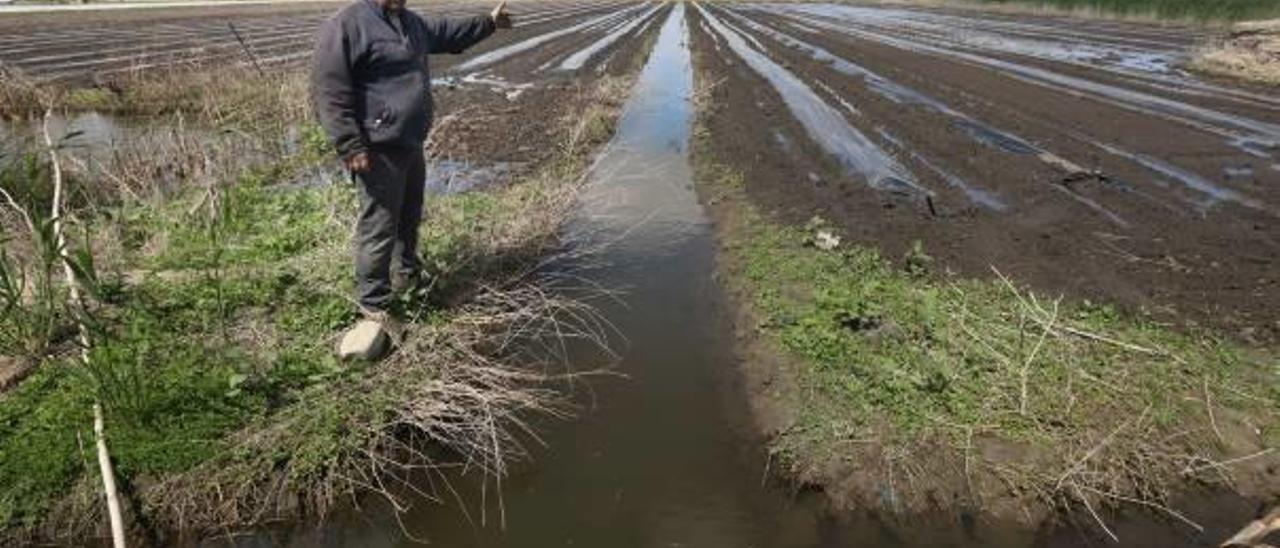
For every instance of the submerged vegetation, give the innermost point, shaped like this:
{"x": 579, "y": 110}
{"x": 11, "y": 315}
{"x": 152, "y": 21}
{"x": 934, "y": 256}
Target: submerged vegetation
{"x": 902, "y": 387}
{"x": 217, "y": 266}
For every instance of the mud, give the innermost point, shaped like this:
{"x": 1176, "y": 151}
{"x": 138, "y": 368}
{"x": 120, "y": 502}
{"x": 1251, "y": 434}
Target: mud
{"x": 98, "y": 46}
{"x": 1115, "y": 188}
{"x": 510, "y": 111}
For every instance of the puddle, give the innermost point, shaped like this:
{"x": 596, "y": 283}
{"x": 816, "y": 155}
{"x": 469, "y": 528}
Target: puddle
{"x": 1230, "y": 126}
{"x": 901, "y": 94}
{"x": 782, "y": 141}
{"x": 978, "y": 196}
{"x": 825, "y": 125}
{"x": 156, "y": 153}
{"x": 455, "y": 177}
{"x": 575, "y": 61}
{"x": 489, "y": 58}
{"x": 85, "y": 131}
{"x": 1238, "y": 172}
{"x": 663, "y": 457}
{"x": 995, "y": 138}
{"x": 1262, "y": 148}
{"x": 1152, "y": 63}
{"x": 898, "y": 93}
{"x": 496, "y": 84}
{"x": 1213, "y": 193}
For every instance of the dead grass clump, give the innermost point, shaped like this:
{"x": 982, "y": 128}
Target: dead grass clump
{"x": 210, "y": 95}
{"x": 1250, "y": 52}
{"x": 223, "y": 95}
{"x": 442, "y": 406}
{"x": 18, "y": 94}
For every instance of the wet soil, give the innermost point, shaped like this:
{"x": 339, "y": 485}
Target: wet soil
{"x": 761, "y": 139}
{"x": 34, "y": 21}
{"x": 519, "y": 118}
{"x": 1133, "y": 238}
{"x": 100, "y": 46}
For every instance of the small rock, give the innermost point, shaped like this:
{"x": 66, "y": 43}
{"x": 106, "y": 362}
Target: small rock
{"x": 367, "y": 341}
{"x": 826, "y": 240}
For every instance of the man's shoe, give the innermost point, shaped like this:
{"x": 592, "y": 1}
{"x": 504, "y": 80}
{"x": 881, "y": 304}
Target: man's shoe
{"x": 372, "y": 338}
{"x": 367, "y": 341}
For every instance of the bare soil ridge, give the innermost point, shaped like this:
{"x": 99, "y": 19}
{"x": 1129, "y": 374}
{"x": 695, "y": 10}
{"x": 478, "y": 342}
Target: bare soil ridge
{"x": 1042, "y": 205}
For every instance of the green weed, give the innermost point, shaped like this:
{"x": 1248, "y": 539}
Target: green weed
{"x": 894, "y": 361}
{"x": 32, "y": 301}
{"x": 228, "y": 323}
{"x": 213, "y": 354}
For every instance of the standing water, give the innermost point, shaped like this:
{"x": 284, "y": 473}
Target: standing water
{"x": 661, "y": 458}
{"x": 655, "y": 459}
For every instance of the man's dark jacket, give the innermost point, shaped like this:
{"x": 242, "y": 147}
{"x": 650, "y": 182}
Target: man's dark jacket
{"x": 371, "y": 85}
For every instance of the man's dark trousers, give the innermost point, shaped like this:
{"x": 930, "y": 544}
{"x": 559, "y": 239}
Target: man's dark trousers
{"x": 372, "y": 91}
{"x": 390, "y": 212}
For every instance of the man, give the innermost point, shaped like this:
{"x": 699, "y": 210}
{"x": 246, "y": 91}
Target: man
{"x": 372, "y": 92}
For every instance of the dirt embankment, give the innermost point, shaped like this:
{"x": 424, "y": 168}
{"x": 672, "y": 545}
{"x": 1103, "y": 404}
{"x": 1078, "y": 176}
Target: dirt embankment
{"x": 1251, "y": 52}
{"x": 864, "y": 376}
{"x": 1120, "y": 232}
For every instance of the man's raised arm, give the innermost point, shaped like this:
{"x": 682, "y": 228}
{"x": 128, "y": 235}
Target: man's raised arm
{"x": 450, "y": 35}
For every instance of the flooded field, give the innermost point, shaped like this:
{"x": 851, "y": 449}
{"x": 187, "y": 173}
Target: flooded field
{"x": 274, "y": 36}
{"x": 1077, "y": 157}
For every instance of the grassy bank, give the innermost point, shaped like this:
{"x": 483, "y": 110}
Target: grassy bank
{"x": 213, "y": 96}
{"x": 216, "y": 300}
{"x": 1194, "y": 10}
{"x": 896, "y": 386}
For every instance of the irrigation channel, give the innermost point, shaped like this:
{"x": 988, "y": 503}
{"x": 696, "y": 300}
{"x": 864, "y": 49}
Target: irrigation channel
{"x": 660, "y": 458}
{"x": 664, "y": 456}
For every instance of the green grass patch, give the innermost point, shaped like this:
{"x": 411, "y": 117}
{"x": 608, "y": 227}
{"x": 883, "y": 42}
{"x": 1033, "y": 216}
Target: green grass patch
{"x": 898, "y": 367}
{"x": 230, "y": 319}
{"x": 222, "y": 321}
{"x": 171, "y": 365}
{"x": 214, "y": 309}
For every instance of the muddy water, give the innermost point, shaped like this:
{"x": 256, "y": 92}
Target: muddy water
{"x": 661, "y": 457}
{"x": 88, "y": 130}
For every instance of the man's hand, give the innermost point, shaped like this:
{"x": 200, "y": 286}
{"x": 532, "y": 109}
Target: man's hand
{"x": 501, "y": 19}
{"x": 358, "y": 162}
